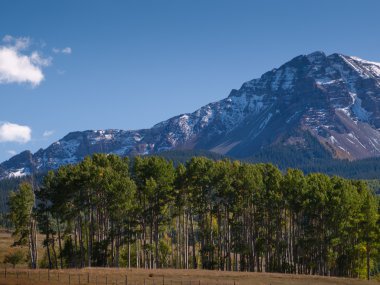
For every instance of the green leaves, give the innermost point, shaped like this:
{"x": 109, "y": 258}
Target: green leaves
{"x": 214, "y": 214}
{"x": 21, "y": 204}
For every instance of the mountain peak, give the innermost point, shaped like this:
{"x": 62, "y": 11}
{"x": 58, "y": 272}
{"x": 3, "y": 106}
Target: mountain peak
{"x": 316, "y": 57}
{"x": 335, "y": 99}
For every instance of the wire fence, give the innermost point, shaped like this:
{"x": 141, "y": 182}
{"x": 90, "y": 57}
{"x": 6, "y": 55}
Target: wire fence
{"x": 78, "y": 277}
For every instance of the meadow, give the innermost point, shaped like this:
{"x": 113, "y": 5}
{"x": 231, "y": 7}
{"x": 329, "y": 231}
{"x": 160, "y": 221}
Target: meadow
{"x": 21, "y": 275}
{"x": 108, "y": 276}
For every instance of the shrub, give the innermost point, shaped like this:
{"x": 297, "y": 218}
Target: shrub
{"x": 14, "y": 257}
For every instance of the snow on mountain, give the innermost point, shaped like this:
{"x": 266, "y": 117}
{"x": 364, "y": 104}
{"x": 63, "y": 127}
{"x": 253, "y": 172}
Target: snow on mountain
{"x": 335, "y": 98}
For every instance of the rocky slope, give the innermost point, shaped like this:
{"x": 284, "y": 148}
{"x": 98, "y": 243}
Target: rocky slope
{"x": 334, "y": 98}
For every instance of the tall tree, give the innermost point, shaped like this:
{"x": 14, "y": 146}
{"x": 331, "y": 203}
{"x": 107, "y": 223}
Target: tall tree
{"x": 21, "y": 205}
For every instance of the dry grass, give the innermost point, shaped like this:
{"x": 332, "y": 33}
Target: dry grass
{"x": 103, "y": 276}
{"x": 6, "y": 242}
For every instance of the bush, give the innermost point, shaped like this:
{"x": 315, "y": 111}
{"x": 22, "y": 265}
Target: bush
{"x": 14, "y": 257}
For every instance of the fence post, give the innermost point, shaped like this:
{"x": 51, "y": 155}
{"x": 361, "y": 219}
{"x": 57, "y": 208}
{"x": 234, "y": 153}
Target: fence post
{"x": 126, "y": 280}
{"x": 88, "y": 277}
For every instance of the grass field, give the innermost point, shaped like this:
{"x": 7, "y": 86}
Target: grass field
{"x": 6, "y": 242}
{"x": 108, "y": 276}
{"x": 103, "y": 276}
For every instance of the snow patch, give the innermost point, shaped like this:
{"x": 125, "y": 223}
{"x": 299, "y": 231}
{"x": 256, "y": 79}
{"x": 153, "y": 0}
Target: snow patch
{"x": 351, "y": 135}
{"x": 17, "y": 173}
{"x": 373, "y": 145}
{"x": 345, "y": 110}
{"x": 333, "y": 140}
{"x": 327, "y": 81}
{"x": 265, "y": 122}
{"x": 358, "y": 110}
{"x": 370, "y": 67}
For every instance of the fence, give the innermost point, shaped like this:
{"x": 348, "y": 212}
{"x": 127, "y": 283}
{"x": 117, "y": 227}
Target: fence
{"x": 81, "y": 277}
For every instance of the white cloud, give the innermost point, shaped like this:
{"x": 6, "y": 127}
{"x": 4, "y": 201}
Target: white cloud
{"x": 37, "y": 59}
{"x": 47, "y": 134}
{"x": 14, "y": 133}
{"x": 66, "y": 50}
{"x": 16, "y": 67}
{"x": 12, "y": 152}
{"x": 17, "y": 43}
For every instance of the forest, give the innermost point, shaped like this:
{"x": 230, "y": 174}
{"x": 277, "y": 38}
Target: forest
{"x": 227, "y": 215}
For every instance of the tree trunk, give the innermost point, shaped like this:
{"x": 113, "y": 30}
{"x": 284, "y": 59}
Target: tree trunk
{"x": 59, "y": 243}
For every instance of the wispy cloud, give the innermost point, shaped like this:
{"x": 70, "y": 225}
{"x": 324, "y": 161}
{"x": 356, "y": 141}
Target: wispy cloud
{"x": 47, "y": 134}
{"x": 37, "y": 59}
{"x": 66, "y": 50}
{"x": 10, "y": 132}
{"x": 12, "y": 152}
{"x": 17, "y": 66}
{"x": 20, "y": 43}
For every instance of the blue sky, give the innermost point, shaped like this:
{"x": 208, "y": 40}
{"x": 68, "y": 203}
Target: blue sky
{"x": 77, "y": 65}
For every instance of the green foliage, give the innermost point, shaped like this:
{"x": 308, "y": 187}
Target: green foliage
{"x": 6, "y": 186}
{"x": 20, "y": 212}
{"x": 317, "y": 159}
{"x": 227, "y": 215}
{"x": 12, "y": 185}
{"x": 374, "y": 185}
{"x": 14, "y": 257}
{"x": 164, "y": 253}
{"x": 183, "y": 156}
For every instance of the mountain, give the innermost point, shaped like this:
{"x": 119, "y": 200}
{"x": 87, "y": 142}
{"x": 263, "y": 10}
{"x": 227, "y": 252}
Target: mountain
{"x": 319, "y": 105}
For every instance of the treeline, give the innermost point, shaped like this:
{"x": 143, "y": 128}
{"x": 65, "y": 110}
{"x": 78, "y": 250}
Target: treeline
{"x": 146, "y": 213}
{"x": 317, "y": 159}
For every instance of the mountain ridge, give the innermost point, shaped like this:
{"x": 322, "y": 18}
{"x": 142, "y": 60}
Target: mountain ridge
{"x": 333, "y": 98}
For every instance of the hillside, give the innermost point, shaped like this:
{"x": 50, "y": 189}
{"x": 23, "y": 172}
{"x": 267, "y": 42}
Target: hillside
{"x": 321, "y": 108}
